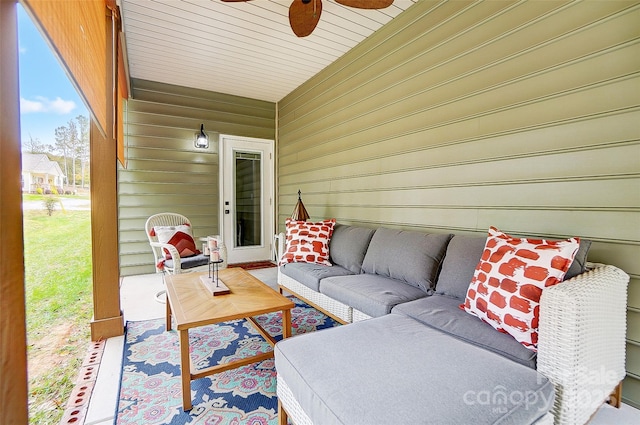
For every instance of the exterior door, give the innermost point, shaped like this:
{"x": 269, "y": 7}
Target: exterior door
{"x": 246, "y": 182}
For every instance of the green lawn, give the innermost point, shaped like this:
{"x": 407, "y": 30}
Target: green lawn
{"x": 59, "y": 305}
{"x": 35, "y": 197}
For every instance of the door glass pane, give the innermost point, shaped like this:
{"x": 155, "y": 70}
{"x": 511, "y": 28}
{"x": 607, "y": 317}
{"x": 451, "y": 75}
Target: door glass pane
{"x": 248, "y": 196}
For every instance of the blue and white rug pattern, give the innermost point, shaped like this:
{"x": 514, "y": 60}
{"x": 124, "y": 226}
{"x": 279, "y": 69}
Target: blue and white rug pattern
{"x": 150, "y": 389}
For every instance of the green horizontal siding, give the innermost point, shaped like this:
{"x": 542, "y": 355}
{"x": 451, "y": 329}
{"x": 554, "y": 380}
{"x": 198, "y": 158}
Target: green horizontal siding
{"x": 165, "y": 172}
{"x": 461, "y": 115}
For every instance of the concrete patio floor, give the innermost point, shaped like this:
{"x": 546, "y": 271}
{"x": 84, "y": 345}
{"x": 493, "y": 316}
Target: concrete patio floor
{"x": 137, "y": 294}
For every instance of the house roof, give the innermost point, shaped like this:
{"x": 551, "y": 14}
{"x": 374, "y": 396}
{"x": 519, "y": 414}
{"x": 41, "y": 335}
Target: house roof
{"x": 242, "y": 48}
{"x": 39, "y": 163}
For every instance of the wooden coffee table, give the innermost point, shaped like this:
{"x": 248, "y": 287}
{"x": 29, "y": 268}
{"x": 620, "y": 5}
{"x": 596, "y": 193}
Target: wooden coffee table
{"x": 189, "y": 303}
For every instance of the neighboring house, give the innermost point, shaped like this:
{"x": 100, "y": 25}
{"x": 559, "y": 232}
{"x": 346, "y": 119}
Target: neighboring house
{"x": 38, "y": 171}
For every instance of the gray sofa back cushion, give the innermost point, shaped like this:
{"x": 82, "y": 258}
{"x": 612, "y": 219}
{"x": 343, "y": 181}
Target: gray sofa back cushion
{"x": 463, "y": 255}
{"x": 411, "y": 257}
{"x": 579, "y": 264}
{"x": 348, "y": 246}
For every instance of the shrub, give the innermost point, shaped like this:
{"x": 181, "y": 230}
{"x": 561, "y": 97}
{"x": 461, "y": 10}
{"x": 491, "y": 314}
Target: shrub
{"x": 50, "y": 204}
{"x": 39, "y": 191}
{"x": 47, "y": 191}
{"x": 54, "y": 191}
{"x": 67, "y": 192}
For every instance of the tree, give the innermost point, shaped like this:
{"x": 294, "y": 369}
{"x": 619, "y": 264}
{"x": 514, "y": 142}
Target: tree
{"x": 34, "y": 145}
{"x": 83, "y": 143}
{"x": 62, "y": 136}
{"x": 72, "y": 142}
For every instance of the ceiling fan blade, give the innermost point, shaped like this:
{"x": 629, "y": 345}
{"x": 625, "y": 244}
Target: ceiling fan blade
{"x": 366, "y": 4}
{"x": 304, "y": 16}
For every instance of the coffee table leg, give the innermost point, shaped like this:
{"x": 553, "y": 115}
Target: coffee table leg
{"x": 185, "y": 369}
{"x": 286, "y": 323}
{"x": 168, "y": 314}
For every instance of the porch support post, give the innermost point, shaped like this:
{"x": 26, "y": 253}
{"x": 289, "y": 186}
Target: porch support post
{"x": 107, "y": 317}
{"x": 13, "y": 337}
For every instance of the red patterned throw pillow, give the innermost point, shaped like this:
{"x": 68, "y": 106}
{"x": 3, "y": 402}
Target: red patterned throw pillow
{"x": 508, "y": 281}
{"x": 308, "y": 242}
{"x": 178, "y": 236}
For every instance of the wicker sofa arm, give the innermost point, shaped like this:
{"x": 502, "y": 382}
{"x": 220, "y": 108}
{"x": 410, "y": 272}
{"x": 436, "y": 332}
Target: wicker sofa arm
{"x": 581, "y": 345}
{"x": 175, "y": 255}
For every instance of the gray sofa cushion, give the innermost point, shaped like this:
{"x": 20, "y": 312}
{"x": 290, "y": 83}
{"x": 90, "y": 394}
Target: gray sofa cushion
{"x": 579, "y": 264}
{"x": 348, "y": 246}
{"x": 412, "y": 257}
{"x": 442, "y": 313}
{"x": 395, "y": 370}
{"x": 309, "y": 274}
{"x": 463, "y": 255}
{"x": 371, "y": 294}
{"x": 190, "y": 262}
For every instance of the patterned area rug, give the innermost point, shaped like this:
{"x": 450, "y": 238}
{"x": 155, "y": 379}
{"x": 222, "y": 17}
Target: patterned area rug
{"x": 150, "y": 391}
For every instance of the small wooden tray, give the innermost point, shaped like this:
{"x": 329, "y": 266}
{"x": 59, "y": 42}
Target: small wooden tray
{"x": 220, "y": 289}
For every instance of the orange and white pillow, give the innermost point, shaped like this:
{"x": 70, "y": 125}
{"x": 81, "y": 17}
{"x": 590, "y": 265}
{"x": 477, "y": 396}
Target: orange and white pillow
{"x": 308, "y": 242}
{"x": 508, "y": 282}
{"x": 179, "y": 236}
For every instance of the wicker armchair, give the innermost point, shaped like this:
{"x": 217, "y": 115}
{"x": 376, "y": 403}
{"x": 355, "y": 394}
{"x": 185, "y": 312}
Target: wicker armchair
{"x": 177, "y": 264}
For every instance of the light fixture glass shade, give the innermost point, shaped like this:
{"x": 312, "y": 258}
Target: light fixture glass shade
{"x": 202, "y": 140}
{"x": 300, "y": 212}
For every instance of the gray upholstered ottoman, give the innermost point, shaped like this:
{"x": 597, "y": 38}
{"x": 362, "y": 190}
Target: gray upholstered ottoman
{"x": 396, "y": 370}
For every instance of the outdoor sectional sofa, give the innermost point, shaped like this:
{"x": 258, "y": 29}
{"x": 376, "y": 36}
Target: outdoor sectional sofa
{"x": 411, "y": 355}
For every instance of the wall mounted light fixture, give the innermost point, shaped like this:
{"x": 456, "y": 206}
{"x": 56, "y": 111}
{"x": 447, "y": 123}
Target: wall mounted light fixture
{"x": 202, "y": 140}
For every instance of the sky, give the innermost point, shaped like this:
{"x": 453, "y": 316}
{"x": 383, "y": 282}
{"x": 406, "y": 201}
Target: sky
{"x": 47, "y": 98}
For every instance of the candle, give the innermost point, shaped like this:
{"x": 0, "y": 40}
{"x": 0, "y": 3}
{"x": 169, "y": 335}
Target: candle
{"x": 213, "y": 243}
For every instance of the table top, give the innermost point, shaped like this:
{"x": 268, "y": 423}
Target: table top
{"x": 193, "y": 306}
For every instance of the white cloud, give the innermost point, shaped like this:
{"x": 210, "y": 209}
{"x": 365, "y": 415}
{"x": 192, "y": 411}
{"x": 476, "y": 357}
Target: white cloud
{"x": 62, "y": 106}
{"x": 42, "y": 104}
{"x": 21, "y": 49}
{"x": 29, "y": 106}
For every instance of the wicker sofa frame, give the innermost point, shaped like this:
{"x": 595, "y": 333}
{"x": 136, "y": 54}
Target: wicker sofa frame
{"x": 581, "y": 347}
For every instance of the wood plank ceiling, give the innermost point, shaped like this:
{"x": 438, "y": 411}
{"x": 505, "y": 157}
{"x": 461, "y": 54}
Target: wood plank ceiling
{"x": 245, "y": 49}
